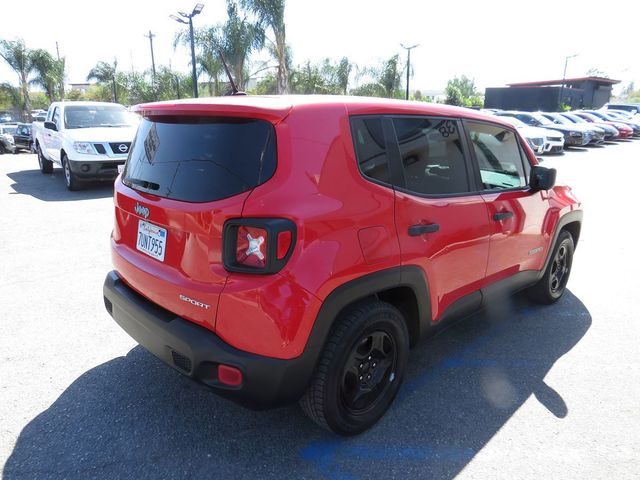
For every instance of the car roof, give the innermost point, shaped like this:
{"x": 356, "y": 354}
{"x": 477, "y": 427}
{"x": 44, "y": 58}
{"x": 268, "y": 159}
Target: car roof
{"x": 87, "y": 104}
{"x": 277, "y": 107}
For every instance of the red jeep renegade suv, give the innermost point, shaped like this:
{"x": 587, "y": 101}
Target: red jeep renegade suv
{"x": 282, "y": 249}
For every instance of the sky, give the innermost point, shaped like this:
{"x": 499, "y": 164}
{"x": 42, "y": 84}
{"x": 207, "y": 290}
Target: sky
{"x": 495, "y": 42}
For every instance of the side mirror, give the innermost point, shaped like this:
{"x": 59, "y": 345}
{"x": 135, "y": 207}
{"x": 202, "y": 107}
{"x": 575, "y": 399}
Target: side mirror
{"x": 50, "y": 126}
{"x": 542, "y": 178}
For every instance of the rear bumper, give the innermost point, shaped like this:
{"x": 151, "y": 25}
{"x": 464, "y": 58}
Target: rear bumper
{"x": 196, "y": 352}
{"x": 96, "y": 169}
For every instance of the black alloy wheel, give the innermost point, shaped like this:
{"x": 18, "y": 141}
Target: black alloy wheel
{"x": 553, "y": 283}
{"x": 360, "y": 370}
{"x": 368, "y": 372}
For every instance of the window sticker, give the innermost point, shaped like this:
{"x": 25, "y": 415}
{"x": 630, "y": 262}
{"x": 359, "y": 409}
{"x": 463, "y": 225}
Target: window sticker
{"x": 151, "y": 144}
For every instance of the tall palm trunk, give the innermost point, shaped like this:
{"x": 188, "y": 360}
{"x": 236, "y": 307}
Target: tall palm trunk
{"x": 283, "y": 73}
{"x": 26, "y": 102}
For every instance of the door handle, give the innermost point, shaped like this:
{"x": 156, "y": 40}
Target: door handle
{"x": 416, "y": 230}
{"x": 502, "y": 216}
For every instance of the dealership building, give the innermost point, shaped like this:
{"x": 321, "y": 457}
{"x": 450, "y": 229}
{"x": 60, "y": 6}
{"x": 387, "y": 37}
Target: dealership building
{"x": 548, "y": 95}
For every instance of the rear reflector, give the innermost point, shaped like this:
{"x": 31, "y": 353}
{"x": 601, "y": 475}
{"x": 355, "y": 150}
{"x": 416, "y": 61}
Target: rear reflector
{"x": 229, "y": 375}
{"x": 284, "y": 242}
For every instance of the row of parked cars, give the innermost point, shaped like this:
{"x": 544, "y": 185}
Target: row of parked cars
{"x": 552, "y": 132}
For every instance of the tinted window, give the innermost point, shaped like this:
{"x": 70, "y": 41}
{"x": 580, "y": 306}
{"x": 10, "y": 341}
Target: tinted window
{"x": 432, "y": 157}
{"x": 499, "y": 157}
{"x": 56, "y": 116}
{"x": 368, "y": 141}
{"x": 89, "y": 116}
{"x": 200, "y": 159}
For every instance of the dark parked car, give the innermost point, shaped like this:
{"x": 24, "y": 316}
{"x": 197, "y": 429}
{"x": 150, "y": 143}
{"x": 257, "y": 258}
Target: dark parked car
{"x": 22, "y": 137}
{"x": 615, "y": 118}
{"x": 573, "y": 137}
{"x": 632, "y": 108}
{"x": 610, "y": 132}
{"x": 623, "y": 130}
{"x": 597, "y": 134}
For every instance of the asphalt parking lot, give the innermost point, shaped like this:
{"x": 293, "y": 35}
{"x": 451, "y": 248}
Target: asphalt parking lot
{"x": 518, "y": 391}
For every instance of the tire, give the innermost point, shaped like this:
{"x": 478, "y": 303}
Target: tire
{"x": 2, "y": 149}
{"x": 553, "y": 283}
{"x": 70, "y": 179}
{"x": 360, "y": 370}
{"x": 46, "y": 166}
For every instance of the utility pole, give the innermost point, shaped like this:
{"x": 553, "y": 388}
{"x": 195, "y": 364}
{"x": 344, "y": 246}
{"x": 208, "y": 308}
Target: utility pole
{"x": 153, "y": 61}
{"x": 408, "y": 49}
{"x": 115, "y": 92}
{"x": 61, "y": 86}
{"x": 153, "y": 64}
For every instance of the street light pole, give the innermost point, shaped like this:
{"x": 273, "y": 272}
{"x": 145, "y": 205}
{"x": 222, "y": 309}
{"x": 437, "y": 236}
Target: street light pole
{"x": 408, "y": 49}
{"x": 189, "y": 16}
{"x": 564, "y": 76}
{"x": 193, "y": 60}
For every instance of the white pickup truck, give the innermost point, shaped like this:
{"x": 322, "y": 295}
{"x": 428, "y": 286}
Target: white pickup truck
{"x": 87, "y": 139}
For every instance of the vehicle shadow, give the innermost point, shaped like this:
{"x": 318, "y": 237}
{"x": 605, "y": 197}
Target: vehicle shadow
{"x": 51, "y": 187}
{"x": 133, "y": 417}
{"x": 576, "y": 149}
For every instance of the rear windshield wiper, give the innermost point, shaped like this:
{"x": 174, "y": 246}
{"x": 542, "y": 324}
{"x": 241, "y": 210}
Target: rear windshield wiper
{"x": 143, "y": 183}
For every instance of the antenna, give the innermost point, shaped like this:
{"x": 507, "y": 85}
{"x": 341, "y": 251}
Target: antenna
{"x": 234, "y": 88}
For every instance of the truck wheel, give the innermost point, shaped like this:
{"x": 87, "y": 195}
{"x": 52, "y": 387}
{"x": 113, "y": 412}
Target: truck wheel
{"x": 46, "y": 166}
{"x": 553, "y": 283}
{"x": 70, "y": 178}
{"x": 360, "y": 370}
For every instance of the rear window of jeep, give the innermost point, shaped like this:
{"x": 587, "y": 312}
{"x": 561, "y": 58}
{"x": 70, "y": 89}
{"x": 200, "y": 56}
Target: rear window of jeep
{"x": 200, "y": 159}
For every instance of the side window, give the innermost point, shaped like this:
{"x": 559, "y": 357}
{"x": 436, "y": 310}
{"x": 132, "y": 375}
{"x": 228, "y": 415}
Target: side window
{"x": 369, "y": 144}
{"x": 432, "y": 156}
{"x": 499, "y": 156}
{"x": 55, "y": 118}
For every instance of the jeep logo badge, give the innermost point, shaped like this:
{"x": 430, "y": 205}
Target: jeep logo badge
{"x": 142, "y": 211}
{"x": 123, "y": 148}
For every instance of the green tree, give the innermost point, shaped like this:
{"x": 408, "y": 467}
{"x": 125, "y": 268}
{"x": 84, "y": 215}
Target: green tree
{"x": 270, "y": 15}
{"x": 171, "y": 85}
{"x": 385, "y": 80}
{"x": 19, "y": 58}
{"x": 9, "y": 96}
{"x": 105, "y": 74}
{"x": 209, "y": 64}
{"x": 462, "y": 91}
{"x": 236, "y": 39}
{"x": 454, "y": 96}
{"x": 49, "y": 73}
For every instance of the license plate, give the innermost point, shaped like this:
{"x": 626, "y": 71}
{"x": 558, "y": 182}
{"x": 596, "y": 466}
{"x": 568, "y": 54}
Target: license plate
{"x": 121, "y": 168}
{"x": 152, "y": 240}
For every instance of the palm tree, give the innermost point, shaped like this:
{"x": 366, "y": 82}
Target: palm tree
{"x": 270, "y": 14}
{"x": 44, "y": 66}
{"x": 239, "y": 38}
{"x": 105, "y": 73}
{"x": 235, "y": 39}
{"x": 18, "y": 57}
{"x": 210, "y": 64}
{"x": 386, "y": 80}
